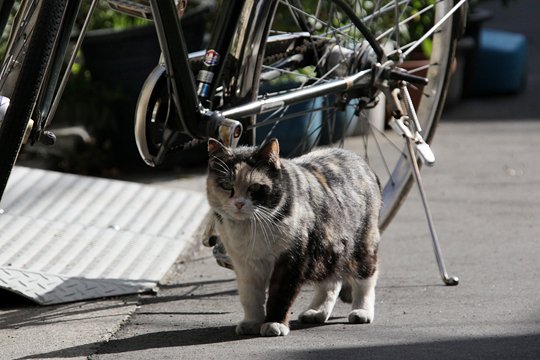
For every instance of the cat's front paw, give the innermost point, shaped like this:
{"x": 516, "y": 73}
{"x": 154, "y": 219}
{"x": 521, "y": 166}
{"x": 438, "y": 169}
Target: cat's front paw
{"x": 220, "y": 254}
{"x": 274, "y": 329}
{"x": 361, "y": 316}
{"x": 245, "y": 327}
{"x": 311, "y": 316}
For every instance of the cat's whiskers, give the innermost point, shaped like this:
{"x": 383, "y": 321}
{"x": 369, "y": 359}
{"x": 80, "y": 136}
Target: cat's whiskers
{"x": 269, "y": 216}
{"x": 223, "y": 167}
{"x": 262, "y": 222}
{"x": 258, "y": 221}
{"x": 269, "y": 224}
{"x": 222, "y": 172}
{"x": 271, "y": 212}
{"x": 253, "y": 223}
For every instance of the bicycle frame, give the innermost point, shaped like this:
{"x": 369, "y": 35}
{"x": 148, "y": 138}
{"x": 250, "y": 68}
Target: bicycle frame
{"x": 236, "y": 43}
{"x": 193, "y": 97}
{"x": 197, "y": 93}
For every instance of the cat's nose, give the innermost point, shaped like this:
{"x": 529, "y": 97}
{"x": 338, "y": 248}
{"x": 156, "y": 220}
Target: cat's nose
{"x": 239, "y": 204}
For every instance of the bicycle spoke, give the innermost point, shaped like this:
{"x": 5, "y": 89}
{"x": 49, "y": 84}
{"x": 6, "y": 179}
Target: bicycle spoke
{"x": 434, "y": 28}
{"x": 420, "y": 68}
{"x": 390, "y": 141}
{"x": 11, "y": 60}
{"x": 387, "y": 8}
{"x": 405, "y": 21}
{"x": 381, "y": 154}
{"x": 310, "y": 16}
{"x": 284, "y": 117}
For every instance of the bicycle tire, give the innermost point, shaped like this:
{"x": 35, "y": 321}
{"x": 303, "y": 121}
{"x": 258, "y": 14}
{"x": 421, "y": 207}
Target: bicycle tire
{"x": 27, "y": 85}
{"x": 395, "y": 189}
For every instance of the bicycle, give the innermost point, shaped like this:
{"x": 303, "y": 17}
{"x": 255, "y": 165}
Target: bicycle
{"x": 264, "y": 58}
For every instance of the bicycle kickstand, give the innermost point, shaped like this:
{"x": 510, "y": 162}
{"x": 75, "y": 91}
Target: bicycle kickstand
{"x": 448, "y": 280}
{"x": 416, "y": 144}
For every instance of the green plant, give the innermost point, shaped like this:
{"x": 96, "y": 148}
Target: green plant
{"x": 5, "y": 35}
{"x": 419, "y": 24}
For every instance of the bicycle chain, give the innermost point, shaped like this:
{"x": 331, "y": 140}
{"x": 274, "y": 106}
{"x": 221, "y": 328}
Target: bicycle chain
{"x": 306, "y": 46}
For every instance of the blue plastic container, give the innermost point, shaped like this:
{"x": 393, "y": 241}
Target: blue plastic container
{"x": 296, "y": 135}
{"x": 501, "y": 63}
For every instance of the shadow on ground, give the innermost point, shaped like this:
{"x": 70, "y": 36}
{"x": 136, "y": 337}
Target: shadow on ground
{"x": 10, "y": 300}
{"x": 514, "y": 347}
{"x": 508, "y": 347}
{"x": 156, "y": 340}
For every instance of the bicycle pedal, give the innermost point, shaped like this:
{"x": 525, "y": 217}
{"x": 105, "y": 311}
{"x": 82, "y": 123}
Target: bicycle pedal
{"x": 425, "y": 152}
{"x": 47, "y": 138}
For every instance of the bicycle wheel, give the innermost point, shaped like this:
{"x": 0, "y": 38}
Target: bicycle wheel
{"x": 22, "y": 73}
{"x": 328, "y": 45}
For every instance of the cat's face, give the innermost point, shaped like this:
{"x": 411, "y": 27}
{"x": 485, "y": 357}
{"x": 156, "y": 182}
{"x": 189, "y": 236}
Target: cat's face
{"x": 241, "y": 183}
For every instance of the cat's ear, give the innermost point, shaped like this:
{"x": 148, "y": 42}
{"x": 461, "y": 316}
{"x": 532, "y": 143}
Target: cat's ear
{"x": 269, "y": 153}
{"x": 216, "y": 148}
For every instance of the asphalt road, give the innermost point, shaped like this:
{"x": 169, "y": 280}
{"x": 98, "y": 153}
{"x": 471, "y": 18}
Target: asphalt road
{"x": 486, "y": 204}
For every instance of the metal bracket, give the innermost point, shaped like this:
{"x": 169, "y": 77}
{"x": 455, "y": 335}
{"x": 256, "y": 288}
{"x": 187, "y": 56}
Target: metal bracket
{"x": 405, "y": 122}
{"x": 229, "y": 132}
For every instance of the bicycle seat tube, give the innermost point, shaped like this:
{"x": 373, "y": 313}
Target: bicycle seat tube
{"x": 193, "y": 97}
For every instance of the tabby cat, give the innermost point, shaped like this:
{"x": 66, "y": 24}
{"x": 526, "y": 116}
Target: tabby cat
{"x": 288, "y": 222}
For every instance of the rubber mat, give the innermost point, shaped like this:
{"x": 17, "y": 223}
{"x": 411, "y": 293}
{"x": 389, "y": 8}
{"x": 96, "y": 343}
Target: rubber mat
{"x": 67, "y": 237}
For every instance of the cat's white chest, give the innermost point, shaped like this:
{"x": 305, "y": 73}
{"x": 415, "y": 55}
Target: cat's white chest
{"x": 249, "y": 240}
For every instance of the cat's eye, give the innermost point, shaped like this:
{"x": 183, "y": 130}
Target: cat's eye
{"x": 226, "y": 185}
{"x": 254, "y": 187}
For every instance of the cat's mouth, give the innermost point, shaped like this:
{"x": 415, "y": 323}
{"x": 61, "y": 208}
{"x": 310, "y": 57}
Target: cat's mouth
{"x": 239, "y": 214}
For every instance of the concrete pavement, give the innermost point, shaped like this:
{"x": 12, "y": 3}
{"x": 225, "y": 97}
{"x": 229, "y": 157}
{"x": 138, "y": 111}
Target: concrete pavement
{"x": 486, "y": 204}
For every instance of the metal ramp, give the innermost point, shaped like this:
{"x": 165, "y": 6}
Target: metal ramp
{"x": 67, "y": 237}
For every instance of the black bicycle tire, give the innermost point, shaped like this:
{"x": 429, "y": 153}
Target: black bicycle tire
{"x": 429, "y": 132}
{"x": 28, "y": 84}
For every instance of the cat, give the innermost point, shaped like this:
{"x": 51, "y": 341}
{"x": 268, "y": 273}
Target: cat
{"x": 286, "y": 222}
